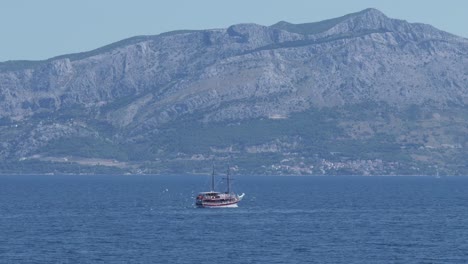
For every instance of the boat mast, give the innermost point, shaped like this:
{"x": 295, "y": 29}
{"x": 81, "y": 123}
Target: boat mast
{"x": 212, "y": 179}
{"x": 228, "y": 181}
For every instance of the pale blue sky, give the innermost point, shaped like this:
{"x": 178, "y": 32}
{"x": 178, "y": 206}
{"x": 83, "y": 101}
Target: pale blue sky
{"x": 40, "y": 29}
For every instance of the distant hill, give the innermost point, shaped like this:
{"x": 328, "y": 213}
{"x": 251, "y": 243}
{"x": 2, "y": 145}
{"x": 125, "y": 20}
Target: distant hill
{"x": 360, "y": 94}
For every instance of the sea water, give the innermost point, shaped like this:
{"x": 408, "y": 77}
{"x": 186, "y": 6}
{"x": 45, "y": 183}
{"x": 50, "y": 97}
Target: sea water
{"x": 152, "y": 219}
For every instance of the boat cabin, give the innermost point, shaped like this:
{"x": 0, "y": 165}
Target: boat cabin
{"x": 209, "y": 195}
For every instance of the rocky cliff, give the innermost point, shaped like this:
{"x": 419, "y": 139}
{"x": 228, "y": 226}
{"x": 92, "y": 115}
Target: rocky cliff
{"x": 359, "y": 94}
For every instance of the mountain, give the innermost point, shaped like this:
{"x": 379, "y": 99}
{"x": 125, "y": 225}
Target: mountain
{"x": 359, "y": 94}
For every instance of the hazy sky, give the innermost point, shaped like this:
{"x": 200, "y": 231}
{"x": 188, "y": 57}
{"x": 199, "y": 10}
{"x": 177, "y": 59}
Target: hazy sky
{"x": 40, "y": 29}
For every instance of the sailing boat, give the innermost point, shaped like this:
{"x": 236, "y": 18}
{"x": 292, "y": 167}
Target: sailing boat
{"x": 214, "y": 199}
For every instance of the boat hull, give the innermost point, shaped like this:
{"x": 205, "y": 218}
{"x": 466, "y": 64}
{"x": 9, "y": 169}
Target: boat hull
{"x": 201, "y": 202}
{"x": 208, "y": 205}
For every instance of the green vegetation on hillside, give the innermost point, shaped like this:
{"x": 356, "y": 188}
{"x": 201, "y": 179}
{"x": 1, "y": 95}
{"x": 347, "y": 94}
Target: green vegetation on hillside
{"x": 393, "y": 141}
{"x": 87, "y": 147}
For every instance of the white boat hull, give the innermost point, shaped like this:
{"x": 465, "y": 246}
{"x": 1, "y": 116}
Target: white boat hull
{"x": 219, "y": 206}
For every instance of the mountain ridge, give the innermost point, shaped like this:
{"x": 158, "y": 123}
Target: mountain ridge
{"x": 313, "y": 28}
{"x": 138, "y": 98}
{"x": 282, "y": 25}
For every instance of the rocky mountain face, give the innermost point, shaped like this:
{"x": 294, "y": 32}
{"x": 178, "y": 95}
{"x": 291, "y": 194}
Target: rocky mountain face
{"x": 360, "y": 94}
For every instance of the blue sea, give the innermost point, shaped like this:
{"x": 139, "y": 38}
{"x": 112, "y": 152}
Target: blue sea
{"x": 152, "y": 219}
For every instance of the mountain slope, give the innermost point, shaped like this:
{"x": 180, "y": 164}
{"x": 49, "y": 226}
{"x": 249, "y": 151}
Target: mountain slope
{"x": 359, "y": 94}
